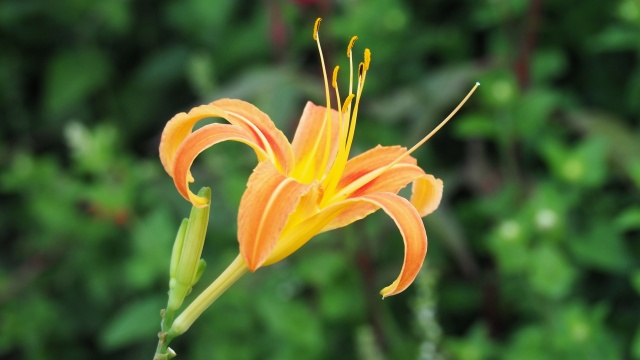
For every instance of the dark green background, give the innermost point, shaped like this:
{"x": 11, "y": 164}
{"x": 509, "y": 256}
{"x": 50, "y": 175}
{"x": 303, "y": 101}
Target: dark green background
{"x": 534, "y": 252}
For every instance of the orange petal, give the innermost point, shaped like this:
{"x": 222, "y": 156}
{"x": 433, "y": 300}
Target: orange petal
{"x": 312, "y": 134}
{"x": 398, "y": 208}
{"x": 178, "y": 128}
{"x": 257, "y": 123}
{"x": 294, "y": 237}
{"x": 350, "y": 215}
{"x": 197, "y": 142}
{"x": 265, "y": 207}
{"x": 426, "y": 194}
{"x": 427, "y": 190}
{"x": 372, "y": 160}
{"x": 413, "y": 233}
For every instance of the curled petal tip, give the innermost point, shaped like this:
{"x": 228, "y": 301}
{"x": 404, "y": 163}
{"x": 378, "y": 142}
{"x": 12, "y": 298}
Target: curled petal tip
{"x": 388, "y": 291}
{"x": 198, "y": 201}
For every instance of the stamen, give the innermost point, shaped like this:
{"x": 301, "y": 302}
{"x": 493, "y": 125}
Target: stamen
{"x": 345, "y": 142}
{"x": 341, "y": 130}
{"x": 303, "y": 170}
{"x": 328, "y": 121}
{"x": 316, "y": 27}
{"x": 351, "y": 43}
{"x": 362, "y": 74}
{"x": 350, "y": 47}
{"x": 334, "y": 78}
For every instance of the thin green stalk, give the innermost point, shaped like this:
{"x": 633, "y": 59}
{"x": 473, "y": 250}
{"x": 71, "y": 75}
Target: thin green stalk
{"x": 234, "y": 271}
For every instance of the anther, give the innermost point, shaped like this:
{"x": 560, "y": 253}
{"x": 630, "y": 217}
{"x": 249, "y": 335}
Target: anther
{"x": 347, "y": 102}
{"x": 367, "y": 59}
{"x": 316, "y": 27}
{"x": 350, "y": 47}
{"x": 360, "y": 69}
{"x": 334, "y": 79}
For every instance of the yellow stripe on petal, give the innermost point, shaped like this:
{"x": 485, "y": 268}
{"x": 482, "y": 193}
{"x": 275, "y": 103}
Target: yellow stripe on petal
{"x": 199, "y": 141}
{"x": 392, "y": 180}
{"x": 309, "y": 142}
{"x": 349, "y": 215}
{"x": 266, "y": 205}
{"x": 377, "y": 158}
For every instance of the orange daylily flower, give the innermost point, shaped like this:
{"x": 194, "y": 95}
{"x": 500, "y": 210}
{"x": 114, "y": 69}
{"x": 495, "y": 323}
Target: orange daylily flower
{"x": 309, "y": 186}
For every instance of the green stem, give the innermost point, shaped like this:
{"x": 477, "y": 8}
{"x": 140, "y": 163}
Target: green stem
{"x": 234, "y": 271}
{"x": 163, "y": 352}
{"x": 172, "y": 328}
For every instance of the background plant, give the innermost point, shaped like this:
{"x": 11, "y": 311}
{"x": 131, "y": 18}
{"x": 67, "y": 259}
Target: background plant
{"x": 533, "y": 254}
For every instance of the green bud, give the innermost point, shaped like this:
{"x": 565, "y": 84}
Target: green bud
{"x": 201, "y": 266}
{"x": 189, "y": 262}
{"x": 177, "y": 248}
{"x": 194, "y": 240}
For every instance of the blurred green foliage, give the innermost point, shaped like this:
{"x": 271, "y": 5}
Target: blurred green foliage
{"x": 534, "y": 253}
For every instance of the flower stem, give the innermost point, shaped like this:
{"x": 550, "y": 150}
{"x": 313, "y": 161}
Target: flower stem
{"x": 232, "y": 273}
{"x": 172, "y": 328}
{"x": 163, "y": 352}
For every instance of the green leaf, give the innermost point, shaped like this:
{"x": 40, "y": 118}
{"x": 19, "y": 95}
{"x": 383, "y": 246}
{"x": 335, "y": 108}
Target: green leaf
{"x": 602, "y": 248}
{"x": 579, "y": 332}
{"x": 94, "y": 150}
{"x": 284, "y": 318}
{"x": 532, "y": 111}
{"x": 635, "y": 281}
{"x": 635, "y": 346}
{"x": 549, "y": 273}
{"x": 135, "y": 322}
{"x": 584, "y": 166}
{"x": 548, "y": 63}
{"x": 499, "y": 88}
{"x": 509, "y": 243}
{"x": 616, "y": 37}
{"x": 476, "y": 345}
{"x": 528, "y": 343}
{"x": 629, "y": 219}
{"x": 150, "y": 258}
{"x": 72, "y": 77}
{"x": 621, "y": 140}
{"x": 475, "y": 126}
